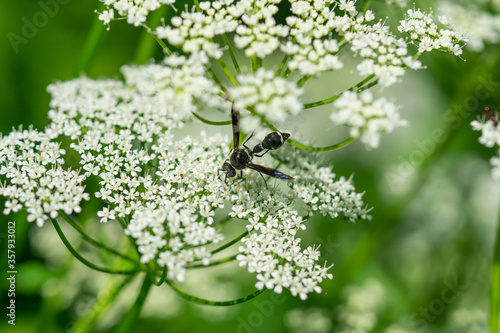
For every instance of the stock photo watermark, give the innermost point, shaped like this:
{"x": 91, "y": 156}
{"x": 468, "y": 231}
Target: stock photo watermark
{"x": 421, "y": 319}
{"x": 11, "y": 272}
{"x": 453, "y": 117}
{"x": 32, "y": 25}
{"x": 264, "y": 310}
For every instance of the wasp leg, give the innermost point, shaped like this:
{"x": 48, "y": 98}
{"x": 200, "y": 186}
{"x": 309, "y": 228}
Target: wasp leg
{"x": 218, "y": 175}
{"x": 264, "y": 179}
{"x": 261, "y": 154}
{"x": 241, "y": 177}
{"x": 246, "y": 140}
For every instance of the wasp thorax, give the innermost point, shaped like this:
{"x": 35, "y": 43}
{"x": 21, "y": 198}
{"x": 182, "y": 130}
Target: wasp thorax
{"x": 240, "y": 158}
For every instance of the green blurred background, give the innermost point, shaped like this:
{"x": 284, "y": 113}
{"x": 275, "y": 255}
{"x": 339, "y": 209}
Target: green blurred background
{"x": 421, "y": 265}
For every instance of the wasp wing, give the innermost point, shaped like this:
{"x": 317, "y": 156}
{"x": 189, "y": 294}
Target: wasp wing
{"x": 268, "y": 171}
{"x": 235, "y": 119}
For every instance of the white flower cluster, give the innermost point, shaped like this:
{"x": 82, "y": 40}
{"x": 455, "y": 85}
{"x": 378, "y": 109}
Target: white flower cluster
{"x": 32, "y": 164}
{"x": 385, "y": 55}
{"x": 149, "y": 227}
{"x": 317, "y": 179}
{"x": 252, "y": 22}
{"x": 170, "y": 209}
{"x": 479, "y": 24}
{"x": 167, "y": 190}
{"x": 309, "y": 41}
{"x": 311, "y": 36}
{"x": 273, "y": 250}
{"x": 430, "y": 36}
{"x": 267, "y": 95}
{"x": 311, "y": 49}
{"x": 179, "y": 85}
{"x": 490, "y": 137}
{"x": 136, "y": 11}
{"x": 366, "y": 116}
{"x": 194, "y": 31}
{"x": 280, "y": 263}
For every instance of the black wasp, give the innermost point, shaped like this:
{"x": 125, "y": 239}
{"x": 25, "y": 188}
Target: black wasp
{"x": 242, "y": 158}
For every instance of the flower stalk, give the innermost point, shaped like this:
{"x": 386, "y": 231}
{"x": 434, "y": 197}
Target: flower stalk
{"x": 127, "y": 324}
{"x": 106, "y": 298}
{"x": 91, "y": 44}
{"x": 494, "y": 317}
{"x": 84, "y": 261}
{"x": 203, "y": 301}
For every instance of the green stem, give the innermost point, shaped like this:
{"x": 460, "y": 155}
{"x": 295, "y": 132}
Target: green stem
{"x": 162, "y": 277}
{"x": 228, "y": 72}
{"x": 368, "y": 86}
{"x": 210, "y": 122}
{"x": 495, "y": 285}
{"x": 365, "y": 6}
{"x": 164, "y": 46}
{"x": 146, "y": 46}
{"x": 224, "y": 220}
{"x": 198, "y": 300}
{"x": 92, "y": 240}
{"x": 256, "y": 63}
{"x": 362, "y": 82}
{"x": 215, "y": 262}
{"x": 358, "y": 88}
{"x": 104, "y": 299}
{"x": 216, "y": 79}
{"x": 122, "y": 223}
{"x": 91, "y": 44}
{"x": 282, "y": 65}
{"x": 327, "y": 148}
{"x": 303, "y": 80}
{"x": 287, "y": 73}
{"x": 127, "y": 324}
{"x": 234, "y": 241}
{"x": 231, "y": 53}
{"x": 322, "y": 102}
{"x": 85, "y": 261}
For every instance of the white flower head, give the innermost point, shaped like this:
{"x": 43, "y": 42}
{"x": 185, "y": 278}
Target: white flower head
{"x": 253, "y": 23}
{"x": 366, "y": 117}
{"x": 475, "y": 20}
{"x": 312, "y": 34}
{"x": 135, "y": 11}
{"x": 267, "y": 95}
{"x": 168, "y": 186}
{"x": 431, "y": 36}
{"x": 32, "y": 164}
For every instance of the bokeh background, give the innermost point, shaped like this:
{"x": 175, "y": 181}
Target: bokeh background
{"x": 421, "y": 265}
